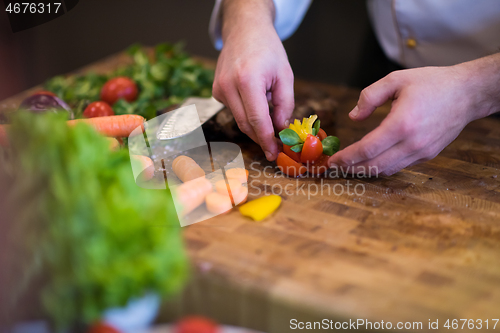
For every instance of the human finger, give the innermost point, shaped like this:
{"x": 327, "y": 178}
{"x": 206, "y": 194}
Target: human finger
{"x": 375, "y": 95}
{"x": 253, "y": 96}
{"x": 283, "y": 100}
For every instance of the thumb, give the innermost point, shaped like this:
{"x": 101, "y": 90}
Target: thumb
{"x": 374, "y": 96}
{"x": 283, "y": 101}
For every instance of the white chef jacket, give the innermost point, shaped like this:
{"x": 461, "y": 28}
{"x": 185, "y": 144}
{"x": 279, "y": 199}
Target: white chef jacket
{"x": 413, "y": 33}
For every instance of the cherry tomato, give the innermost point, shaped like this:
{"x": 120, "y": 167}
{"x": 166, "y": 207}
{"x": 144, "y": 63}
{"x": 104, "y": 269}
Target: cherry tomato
{"x": 319, "y": 167}
{"x": 312, "y": 149}
{"x": 321, "y": 134}
{"x": 117, "y": 88}
{"x": 101, "y": 327}
{"x": 98, "y": 109}
{"x": 44, "y": 92}
{"x": 290, "y": 153}
{"x": 196, "y": 324}
{"x": 289, "y": 167}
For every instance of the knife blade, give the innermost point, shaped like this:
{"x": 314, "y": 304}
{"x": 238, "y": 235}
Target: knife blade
{"x": 178, "y": 123}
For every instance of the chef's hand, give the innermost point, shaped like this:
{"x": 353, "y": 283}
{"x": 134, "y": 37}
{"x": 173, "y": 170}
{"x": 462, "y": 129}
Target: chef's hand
{"x": 253, "y": 69}
{"x": 430, "y": 107}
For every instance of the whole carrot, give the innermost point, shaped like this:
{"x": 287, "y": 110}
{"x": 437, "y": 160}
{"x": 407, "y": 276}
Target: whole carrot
{"x": 115, "y": 126}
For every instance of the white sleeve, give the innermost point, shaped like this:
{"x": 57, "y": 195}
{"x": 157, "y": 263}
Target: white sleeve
{"x": 289, "y": 14}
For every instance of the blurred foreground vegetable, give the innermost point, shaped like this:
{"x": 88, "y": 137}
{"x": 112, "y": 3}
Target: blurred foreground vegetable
{"x": 77, "y": 235}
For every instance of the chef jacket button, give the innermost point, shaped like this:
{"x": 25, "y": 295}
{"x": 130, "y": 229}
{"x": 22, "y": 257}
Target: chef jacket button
{"x": 411, "y": 43}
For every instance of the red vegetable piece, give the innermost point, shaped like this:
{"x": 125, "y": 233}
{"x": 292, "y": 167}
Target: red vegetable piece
{"x": 321, "y": 134}
{"x": 290, "y": 153}
{"x": 289, "y": 167}
{"x": 196, "y": 324}
{"x": 312, "y": 149}
{"x": 319, "y": 167}
{"x": 101, "y": 327}
{"x": 98, "y": 109}
{"x": 117, "y": 88}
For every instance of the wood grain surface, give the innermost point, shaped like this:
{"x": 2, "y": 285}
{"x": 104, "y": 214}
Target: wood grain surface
{"x": 421, "y": 244}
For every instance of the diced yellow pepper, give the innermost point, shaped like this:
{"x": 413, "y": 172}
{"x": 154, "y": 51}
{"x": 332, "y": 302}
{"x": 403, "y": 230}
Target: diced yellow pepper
{"x": 261, "y": 208}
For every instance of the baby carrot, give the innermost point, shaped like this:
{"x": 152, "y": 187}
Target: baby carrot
{"x": 240, "y": 195}
{"x": 218, "y": 203}
{"x": 237, "y": 173}
{"x": 186, "y": 168}
{"x": 232, "y": 185}
{"x": 115, "y": 126}
{"x": 237, "y": 193}
{"x": 191, "y": 194}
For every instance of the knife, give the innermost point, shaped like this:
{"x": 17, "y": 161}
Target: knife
{"x": 178, "y": 123}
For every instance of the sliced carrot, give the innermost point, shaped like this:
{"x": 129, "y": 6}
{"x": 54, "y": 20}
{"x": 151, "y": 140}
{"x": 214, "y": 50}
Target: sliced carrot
{"x": 115, "y": 126}
{"x": 218, "y": 203}
{"x": 238, "y": 173}
{"x": 240, "y": 195}
{"x": 186, "y": 168}
{"x": 232, "y": 185}
{"x": 191, "y": 194}
{"x": 145, "y": 165}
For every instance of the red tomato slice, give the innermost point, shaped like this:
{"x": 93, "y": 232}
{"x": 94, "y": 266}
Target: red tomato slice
{"x": 289, "y": 167}
{"x": 319, "y": 167}
{"x": 98, "y": 109}
{"x": 321, "y": 134}
{"x": 312, "y": 149}
{"x": 290, "y": 153}
{"x": 196, "y": 324}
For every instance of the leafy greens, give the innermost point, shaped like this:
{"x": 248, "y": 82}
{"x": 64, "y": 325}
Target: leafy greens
{"x": 166, "y": 77}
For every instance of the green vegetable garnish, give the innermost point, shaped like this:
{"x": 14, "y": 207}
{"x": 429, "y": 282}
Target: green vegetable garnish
{"x": 331, "y": 145}
{"x": 316, "y": 127}
{"x": 297, "y": 148}
{"x": 289, "y": 137}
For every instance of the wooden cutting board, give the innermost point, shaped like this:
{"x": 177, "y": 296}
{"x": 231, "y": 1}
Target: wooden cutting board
{"x": 423, "y": 244}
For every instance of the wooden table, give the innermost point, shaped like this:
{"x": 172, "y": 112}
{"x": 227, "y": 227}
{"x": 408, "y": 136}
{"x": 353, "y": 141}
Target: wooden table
{"x": 423, "y": 244}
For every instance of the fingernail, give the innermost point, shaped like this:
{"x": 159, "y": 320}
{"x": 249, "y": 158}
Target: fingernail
{"x": 287, "y": 122}
{"x": 354, "y": 112}
{"x": 269, "y": 156}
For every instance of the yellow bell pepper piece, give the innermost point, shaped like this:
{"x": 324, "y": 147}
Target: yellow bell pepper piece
{"x": 261, "y": 208}
{"x": 304, "y": 128}
{"x": 308, "y": 123}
